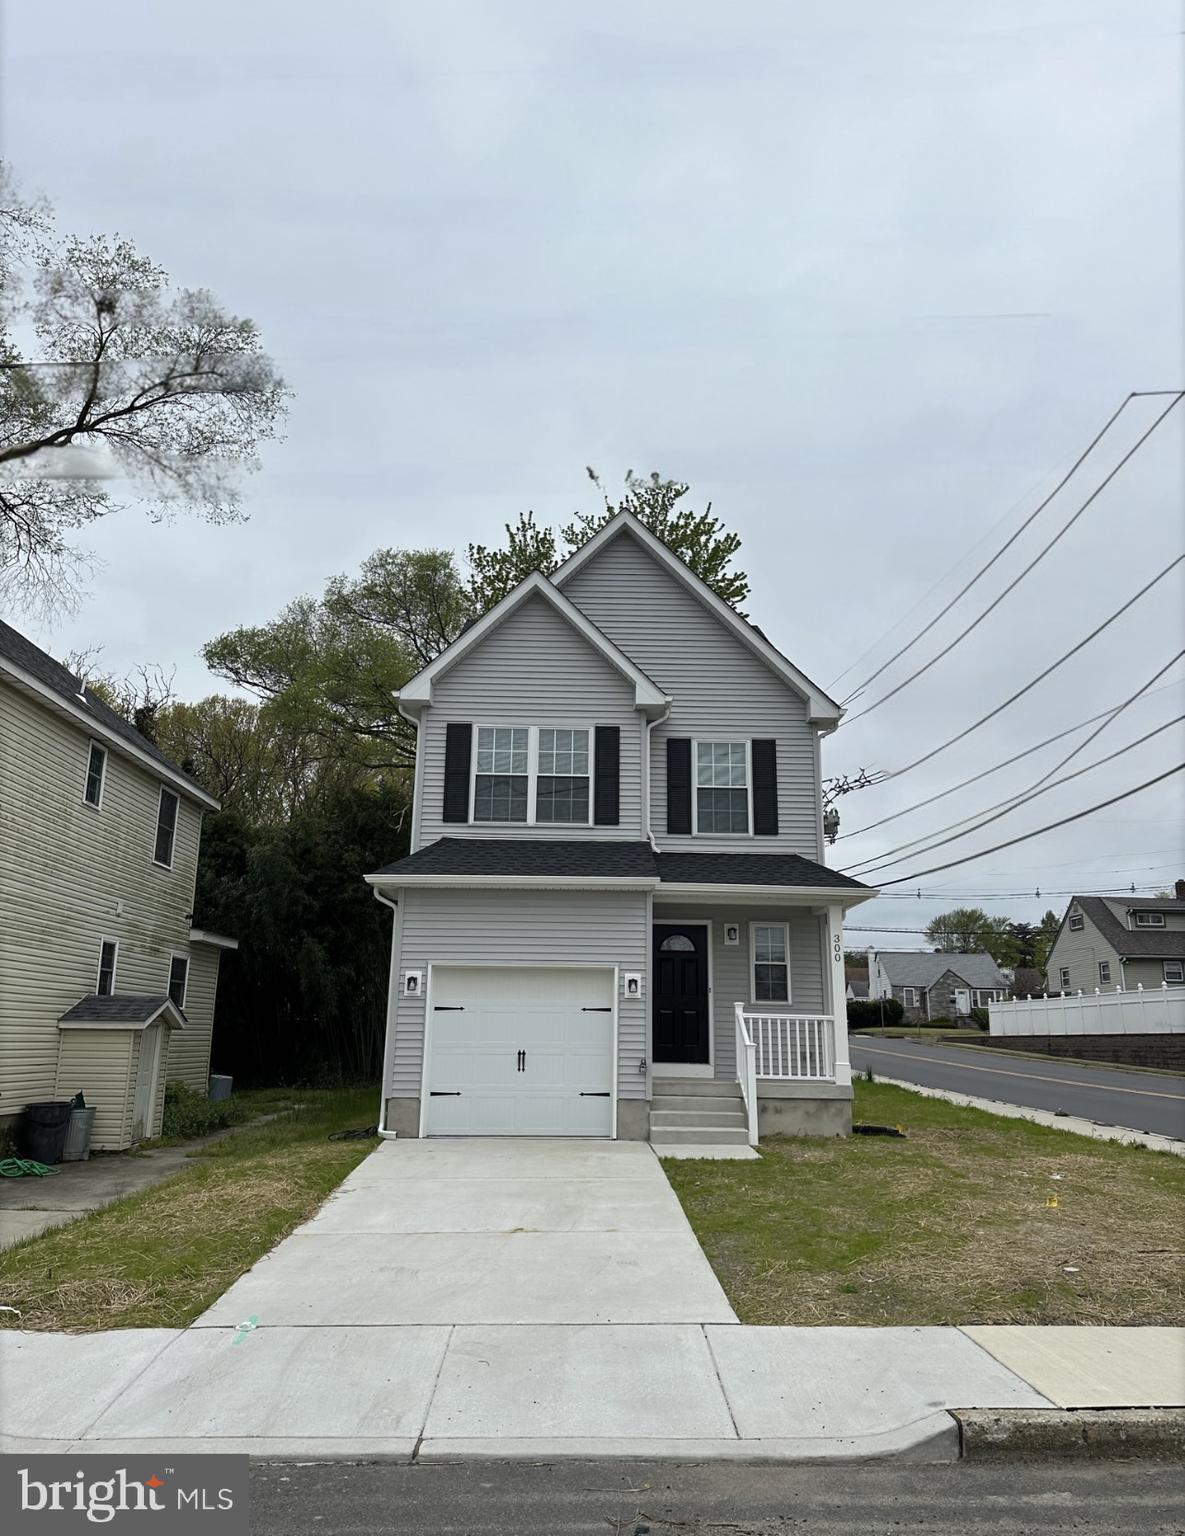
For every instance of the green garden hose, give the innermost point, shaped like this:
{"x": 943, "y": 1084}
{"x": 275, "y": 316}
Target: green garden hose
{"x": 23, "y": 1168}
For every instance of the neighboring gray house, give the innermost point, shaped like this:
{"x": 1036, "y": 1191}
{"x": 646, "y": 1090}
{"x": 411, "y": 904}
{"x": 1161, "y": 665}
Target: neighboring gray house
{"x": 1119, "y": 941}
{"x": 615, "y": 919}
{"x": 105, "y": 987}
{"x": 932, "y": 985}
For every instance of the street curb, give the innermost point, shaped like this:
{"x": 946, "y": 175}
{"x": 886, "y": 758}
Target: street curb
{"x": 1081, "y": 1434}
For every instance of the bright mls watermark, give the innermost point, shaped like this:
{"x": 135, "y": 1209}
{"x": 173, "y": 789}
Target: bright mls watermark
{"x": 163, "y": 1493}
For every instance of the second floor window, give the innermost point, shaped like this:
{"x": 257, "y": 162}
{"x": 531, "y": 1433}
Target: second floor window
{"x": 95, "y": 768}
{"x": 105, "y": 981}
{"x": 1149, "y": 919}
{"x": 722, "y": 786}
{"x": 178, "y": 977}
{"x": 537, "y": 775}
{"x": 166, "y": 827}
{"x": 1077, "y": 922}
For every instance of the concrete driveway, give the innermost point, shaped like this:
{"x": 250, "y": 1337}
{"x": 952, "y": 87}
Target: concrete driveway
{"x": 488, "y": 1231}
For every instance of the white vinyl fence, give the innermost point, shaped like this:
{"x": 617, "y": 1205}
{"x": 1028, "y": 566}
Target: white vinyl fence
{"x": 1158, "y": 1011}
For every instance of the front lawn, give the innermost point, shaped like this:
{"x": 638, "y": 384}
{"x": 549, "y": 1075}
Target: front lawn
{"x": 158, "y": 1258}
{"x": 954, "y": 1224}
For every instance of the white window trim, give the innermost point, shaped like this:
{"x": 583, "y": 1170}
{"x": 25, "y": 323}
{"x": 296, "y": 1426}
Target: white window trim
{"x": 1064, "y": 979}
{"x": 1104, "y": 980}
{"x": 95, "y": 805}
{"x": 909, "y": 997}
{"x": 532, "y": 774}
{"x": 1077, "y": 922}
{"x": 165, "y": 790}
{"x": 178, "y": 955}
{"x": 114, "y": 967}
{"x": 1180, "y": 968}
{"x": 732, "y": 741}
{"x": 1149, "y": 920}
{"x": 767, "y": 1002}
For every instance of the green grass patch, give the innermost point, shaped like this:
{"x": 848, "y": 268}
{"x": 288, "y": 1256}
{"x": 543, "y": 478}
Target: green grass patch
{"x": 954, "y": 1224}
{"x": 160, "y": 1257}
{"x": 931, "y": 1032}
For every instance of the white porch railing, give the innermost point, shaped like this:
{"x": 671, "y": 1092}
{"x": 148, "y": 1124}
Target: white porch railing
{"x": 747, "y": 1072}
{"x": 791, "y": 1047}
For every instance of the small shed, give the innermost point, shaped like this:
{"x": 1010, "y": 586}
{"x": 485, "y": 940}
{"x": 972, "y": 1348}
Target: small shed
{"x": 115, "y": 1049}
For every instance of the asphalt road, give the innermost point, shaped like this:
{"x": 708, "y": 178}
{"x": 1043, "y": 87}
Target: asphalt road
{"x": 1141, "y": 1101}
{"x": 639, "y": 1499}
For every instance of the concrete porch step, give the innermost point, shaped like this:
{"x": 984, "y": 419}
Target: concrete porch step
{"x": 696, "y": 1087}
{"x": 709, "y": 1104}
{"x": 674, "y": 1136}
{"x": 723, "y": 1119}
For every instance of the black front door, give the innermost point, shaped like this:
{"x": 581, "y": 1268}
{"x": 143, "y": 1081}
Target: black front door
{"x": 681, "y": 993}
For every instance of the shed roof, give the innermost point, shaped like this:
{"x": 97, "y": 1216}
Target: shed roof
{"x": 122, "y": 1010}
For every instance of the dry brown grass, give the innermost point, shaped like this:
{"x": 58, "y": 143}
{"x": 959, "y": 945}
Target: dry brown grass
{"x": 951, "y": 1225}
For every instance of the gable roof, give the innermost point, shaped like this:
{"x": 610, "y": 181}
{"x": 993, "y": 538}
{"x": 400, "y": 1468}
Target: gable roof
{"x": 38, "y": 673}
{"x": 417, "y": 691}
{"x": 1132, "y": 943}
{"x": 923, "y": 967}
{"x": 821, "y": 708}
{"x": 121, "y": 1010}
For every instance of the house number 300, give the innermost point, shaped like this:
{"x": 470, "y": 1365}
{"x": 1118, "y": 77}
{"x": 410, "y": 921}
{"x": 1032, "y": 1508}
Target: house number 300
{"x": 837, "y": 949}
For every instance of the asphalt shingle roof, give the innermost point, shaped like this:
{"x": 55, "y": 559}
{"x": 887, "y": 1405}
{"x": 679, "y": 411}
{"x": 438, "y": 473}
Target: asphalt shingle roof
{"x": 116, "y": 1008}
{"x": 1135, "y": 943}
{"x": 39, "y": 664}
{"x": 604, "y": 859}
{"x": 923, "y": 967}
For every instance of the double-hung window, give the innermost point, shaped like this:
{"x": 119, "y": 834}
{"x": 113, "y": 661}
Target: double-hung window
{"x": 722, "y": 783}
{"x": 1174, "y": 972}
{"x": 1149, "y": 919}
{"x": 105, "y": 981}
{"x": 96, "y": 767}
{"x": 178, "y": 979}
{"x": 1065, "y": 978}
{"x": 909, "y": 997}
{"x": 1104, "y": 970}
{"x": 166, "y": 827}
{"x": 536, "y": 775}
{"x": 771, "y": 963}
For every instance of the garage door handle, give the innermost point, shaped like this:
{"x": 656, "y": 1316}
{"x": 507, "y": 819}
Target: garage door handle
{"x": 604, "y": 1095}
{"x": 447, "y": 1008}
{"x": 444, "y": 1093}
{"x": 522, "y": 1062}
{"x": 596, "y": 1010}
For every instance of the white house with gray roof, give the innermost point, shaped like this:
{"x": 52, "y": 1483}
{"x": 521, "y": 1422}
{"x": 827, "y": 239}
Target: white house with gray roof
{"x": 105, "y": 984}
{"x": 615, "y": 919}
{"x": 1119, "y": 941}
{"x": 930, "y": 984}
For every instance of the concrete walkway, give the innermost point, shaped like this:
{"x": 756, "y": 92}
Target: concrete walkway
{"x": 534, "y": 1299}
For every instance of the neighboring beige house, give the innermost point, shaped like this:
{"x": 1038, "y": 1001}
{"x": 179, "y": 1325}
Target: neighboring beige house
{"x": 105, "y": 987}
{"x": 1119, "y": 941}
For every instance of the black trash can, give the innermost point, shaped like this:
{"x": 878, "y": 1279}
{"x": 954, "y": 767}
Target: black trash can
{"x": 45, "y": 1128}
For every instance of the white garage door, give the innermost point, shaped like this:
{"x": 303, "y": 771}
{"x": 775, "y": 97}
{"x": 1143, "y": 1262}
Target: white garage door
{"x": 520, "y": 1051}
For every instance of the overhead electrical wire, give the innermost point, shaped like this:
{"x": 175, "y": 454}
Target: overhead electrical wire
{"x": 885, "y": 860}
{"x": 1016, "y": 581}
{"x": 1052, "y": 826}
{"x": 1041, "y": 676}
{"x": 942, "y": 794}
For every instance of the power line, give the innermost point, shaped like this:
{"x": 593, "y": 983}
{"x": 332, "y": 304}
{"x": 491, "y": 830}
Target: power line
{"x": 1012, "y": 585}
{"x": 942, "y": 794}
{"x": 1038, "y": 831}
{"x": 1041, "y": 676}
{"x": 1004, "y": 808}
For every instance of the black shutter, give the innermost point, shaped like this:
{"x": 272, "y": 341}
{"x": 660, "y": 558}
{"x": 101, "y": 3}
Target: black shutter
{"x": 606, "y": 775}
{"x": 678, "y": 785}
{"x": 458, "y": 747}
{"x": 765, "y": 788}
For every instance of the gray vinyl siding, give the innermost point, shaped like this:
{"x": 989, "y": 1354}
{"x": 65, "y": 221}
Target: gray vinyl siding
{"x": 65, "y": 870}
{"x": 188, "y": 1057}
{"x": 732, "y": 980}
{"x": 1081, "y": 953}
{"x": 504, "y": 927}
{"x": 533, "y": 669}
{"x": 721, "y": 690}
{"x": 1143, "y": 973}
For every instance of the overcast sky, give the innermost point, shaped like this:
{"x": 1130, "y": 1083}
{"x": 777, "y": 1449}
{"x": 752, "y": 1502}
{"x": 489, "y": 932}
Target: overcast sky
{"x": 868, "y": 276}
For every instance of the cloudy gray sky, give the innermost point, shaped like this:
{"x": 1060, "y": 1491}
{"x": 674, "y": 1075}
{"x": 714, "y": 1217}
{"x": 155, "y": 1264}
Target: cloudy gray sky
{"x": 868, "y": 276}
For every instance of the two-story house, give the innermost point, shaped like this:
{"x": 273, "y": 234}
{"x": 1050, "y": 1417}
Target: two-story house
{"x": 931, "y": 984}
{"x": 1119, "y": 941}
{"x": 615, "y": 919}
{"x": 105, "y": 987}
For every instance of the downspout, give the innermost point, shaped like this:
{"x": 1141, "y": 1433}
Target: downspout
{"x": 392, "y": 1004}
{"x": 650, "y": 724}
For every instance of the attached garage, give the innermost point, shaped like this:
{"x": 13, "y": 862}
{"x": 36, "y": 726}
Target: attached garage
{"x": 520, "y": 1051}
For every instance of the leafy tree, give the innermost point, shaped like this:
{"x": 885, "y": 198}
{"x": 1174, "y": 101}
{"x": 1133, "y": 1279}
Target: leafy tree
{"x": 99, "y": 353}
{"x": 1024, "y": 937}
{"x": 697, "y": 538}
{"x": 967, "y": 930}
{"x": 1046, "y": 933}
